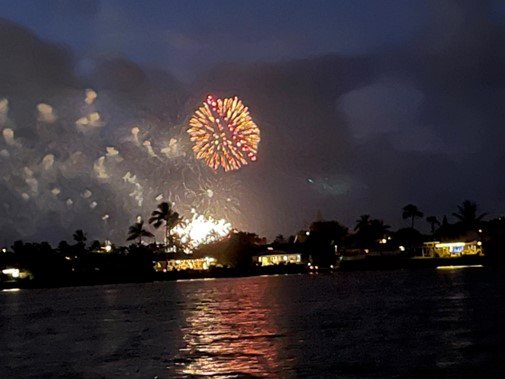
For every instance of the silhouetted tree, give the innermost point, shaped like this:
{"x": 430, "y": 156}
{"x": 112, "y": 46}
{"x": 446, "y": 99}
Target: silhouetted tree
{"x": 279, "y": 239}
{"x": 410, "y": 238}
{"x": 65, "y": 249}
{"x": 323, "y": 238}
{"x": 18, "y": 247}
{"x": 362, "y": 223}
{"x": 411, "y": 212}
{"x": 42, "y": 261}
{"x": 80, "y": 237}
{"x": 378, "y": 229}
{"x": 433, "y": 221}
{"x": 447, "y": 231}
{"x": 165, "y": 215}
{"x": 137, "y": 231}
{"x": 370, "y": 231}
{"x": 240, "y": 248}
{"x": 467, "y": 215}
{"x": 493, "y": 237}
{"x": 235, "y": 251}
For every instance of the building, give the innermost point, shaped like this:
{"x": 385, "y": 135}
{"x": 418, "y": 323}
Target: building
{"x": 436, "y": 249}
{"x": 273, "y": 257}
{"x": 187, "y": 262}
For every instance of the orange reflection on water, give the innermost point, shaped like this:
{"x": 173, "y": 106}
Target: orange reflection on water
{"x": 230, "y": 333}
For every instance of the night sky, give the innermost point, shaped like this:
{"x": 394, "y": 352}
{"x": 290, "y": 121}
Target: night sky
{"x": 363, "y": 107}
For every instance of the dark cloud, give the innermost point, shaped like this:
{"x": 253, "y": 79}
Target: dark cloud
{"x": 119, "y": 74}
{"x": 28, "y": 60}
{"x": 454, "y": 133}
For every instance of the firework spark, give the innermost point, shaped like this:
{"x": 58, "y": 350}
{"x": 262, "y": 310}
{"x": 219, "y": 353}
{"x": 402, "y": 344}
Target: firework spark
{"x": 224, "y": 134}
{"x": 201, "y": 230}
{"x": 213, "y": 195}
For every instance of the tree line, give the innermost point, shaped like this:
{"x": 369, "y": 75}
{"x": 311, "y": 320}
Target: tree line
{"x": 319, "y": 244}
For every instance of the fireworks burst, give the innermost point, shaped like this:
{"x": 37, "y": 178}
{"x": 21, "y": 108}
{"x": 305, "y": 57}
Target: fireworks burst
{"x": 224, "y": 134}
{"x": 201, "y": 230}
{"x": 133, "y": 167}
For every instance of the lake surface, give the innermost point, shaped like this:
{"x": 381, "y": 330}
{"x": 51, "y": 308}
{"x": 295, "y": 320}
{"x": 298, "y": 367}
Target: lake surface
{"x": 393, "y": 324}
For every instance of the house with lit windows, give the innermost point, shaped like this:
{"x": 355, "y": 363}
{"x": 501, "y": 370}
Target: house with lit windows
{"x": 273, "y": 257}
{"x": 457, "y": 249}
{"x": 182, "y": 262}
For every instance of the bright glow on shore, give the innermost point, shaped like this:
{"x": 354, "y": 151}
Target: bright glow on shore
{"x": 200, "y": 230}
{"x": 14, "y": 272}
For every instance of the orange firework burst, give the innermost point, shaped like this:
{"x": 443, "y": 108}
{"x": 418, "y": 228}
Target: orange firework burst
{"x": 224, "y": 134}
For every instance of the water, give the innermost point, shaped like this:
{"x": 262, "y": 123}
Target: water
{"x": 394, "y": 324}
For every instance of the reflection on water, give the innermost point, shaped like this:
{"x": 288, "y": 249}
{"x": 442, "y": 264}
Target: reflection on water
{"x": 230, "y": 335}
{"x": 394, "y": 324}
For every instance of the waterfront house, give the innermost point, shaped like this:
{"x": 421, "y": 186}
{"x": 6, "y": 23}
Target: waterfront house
{"x": 453, "y": 249}
{"x": 277, "y": 257}
{"x": 182, "y": 261}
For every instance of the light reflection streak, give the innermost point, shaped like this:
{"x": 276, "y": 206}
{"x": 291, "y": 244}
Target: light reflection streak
{"x": 196, "y": 280}
{"x": 458, "y": 267}
{"x": 11, "y": 290}
{"x": 230, "y": 337}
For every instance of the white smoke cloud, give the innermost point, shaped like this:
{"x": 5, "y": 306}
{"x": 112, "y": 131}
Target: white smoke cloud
{"x": 99, "y": 168}
{"x": 45, "y": 113}
{"x": 4, "y": 111}
{"x": 91, "y": 95}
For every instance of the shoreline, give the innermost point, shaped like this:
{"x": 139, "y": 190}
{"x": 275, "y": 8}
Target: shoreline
{"x": 366, "y": 264}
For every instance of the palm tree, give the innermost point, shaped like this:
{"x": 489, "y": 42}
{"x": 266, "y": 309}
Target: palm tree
{"x": 378, "y": 229}
{"x": 467, "y": 215}
{"x": 362, "y": 223}
{"x": 363, "y": 231}
{"x": 411, "y": 211}
{"x": 370, "y": 231}
{"x": 137, "y": 231}
{"x": 165, "y": 215}
{"x": 80, "y": 237}
{"x": 433, "y": 221}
